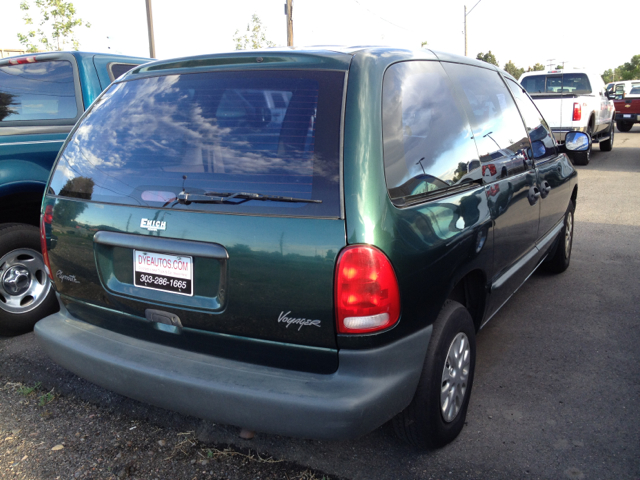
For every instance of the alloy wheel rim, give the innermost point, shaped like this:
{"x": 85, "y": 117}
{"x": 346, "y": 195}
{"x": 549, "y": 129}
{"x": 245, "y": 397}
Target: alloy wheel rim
{"x": 455, "y": 377}
{"x": 568, "y": 233}
{"x": 24, "y": 284}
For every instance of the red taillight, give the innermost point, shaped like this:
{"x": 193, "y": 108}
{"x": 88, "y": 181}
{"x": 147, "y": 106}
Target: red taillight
{"x": 366, "y": 291}
{"x": 47, "y": 218}
{"x": 577, "y": 112}
{"x": 22, "y": 60}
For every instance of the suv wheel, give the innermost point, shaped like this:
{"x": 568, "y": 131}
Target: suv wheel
{"x": 607, "y": 145}
{"x": 624, "y": 126}
{"x": 25, "y": 290}
{"x": 438, "y": 410}
{"x": 561, "y": 258}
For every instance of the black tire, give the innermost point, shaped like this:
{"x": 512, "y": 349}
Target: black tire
{"x": 581, "y": 158}
{"x": 422, "y": 424}
{"x": 607, "y": 145}
{"x": 561, "y": 258}
{"x": 624, "y": 126}
{"x": 22, "y": 268}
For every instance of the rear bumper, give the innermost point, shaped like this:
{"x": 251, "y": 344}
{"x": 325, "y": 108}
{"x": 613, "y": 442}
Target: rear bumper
{"x": 628, "y": 117}
{"x": 369, "y": 387}
{"x": 560, "y": 132}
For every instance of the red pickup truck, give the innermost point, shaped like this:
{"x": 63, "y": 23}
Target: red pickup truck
{"x": 628, "y": 110}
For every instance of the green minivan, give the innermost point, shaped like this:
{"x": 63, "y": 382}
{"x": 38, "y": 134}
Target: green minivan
{"x": 301, "y": 241}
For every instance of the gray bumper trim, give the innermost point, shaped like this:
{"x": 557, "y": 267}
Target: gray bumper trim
{"x": 369, "y": 387}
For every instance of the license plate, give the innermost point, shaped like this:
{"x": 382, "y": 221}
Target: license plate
{"x": 167, "y": 273}
{"x": 627, "y": 115}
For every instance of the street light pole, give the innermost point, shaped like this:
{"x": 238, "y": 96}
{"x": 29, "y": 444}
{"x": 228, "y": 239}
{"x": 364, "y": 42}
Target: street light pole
{"x": 152, "y": 43}
{"x": 465, "y": 25}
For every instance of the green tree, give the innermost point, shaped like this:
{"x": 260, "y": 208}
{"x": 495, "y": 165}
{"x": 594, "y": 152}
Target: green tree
{"x": 627, "y": 71}
{"x": 488, "y": 57}
{"x": 538, "y": 67}
{"x": 559, "y": 67}
{"x": 56, "y": 30}
{"x": 513, "y": 70}
{"x": 254, "y": 38}
{"x": 6, "y": 100}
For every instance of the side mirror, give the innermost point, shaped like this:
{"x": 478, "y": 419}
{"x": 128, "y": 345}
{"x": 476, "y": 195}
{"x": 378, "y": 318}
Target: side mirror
{"x": 577, "y": 142}
{"x": 611, "y": 95}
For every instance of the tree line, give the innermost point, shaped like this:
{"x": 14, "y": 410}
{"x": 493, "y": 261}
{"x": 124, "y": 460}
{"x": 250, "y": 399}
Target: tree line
{"x": 627, "y": 71}
{"x": 509, "y": 67}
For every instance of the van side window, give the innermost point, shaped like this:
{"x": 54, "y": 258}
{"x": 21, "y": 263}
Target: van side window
{"x": 497, "y": 127}
{"x": 542, "y": 143}
{"x": 427, "y": 140}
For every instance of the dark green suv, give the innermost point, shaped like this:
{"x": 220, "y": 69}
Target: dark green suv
{"x": 302, "y": 242}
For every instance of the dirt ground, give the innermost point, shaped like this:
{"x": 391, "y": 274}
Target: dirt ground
{"x": 47, "y": 432}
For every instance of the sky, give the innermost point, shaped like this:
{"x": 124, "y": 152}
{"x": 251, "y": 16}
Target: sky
{"x": 544, "y": 31}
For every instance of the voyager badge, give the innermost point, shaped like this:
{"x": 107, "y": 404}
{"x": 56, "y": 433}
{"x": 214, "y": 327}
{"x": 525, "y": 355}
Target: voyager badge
{"x": 301, "y": 322}
{"x": 153, "y": 225}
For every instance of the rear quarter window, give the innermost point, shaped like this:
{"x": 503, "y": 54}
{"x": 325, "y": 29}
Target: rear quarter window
{"x": 38, "y": 91}
{"x": 428, "y": 146}
{"x": 145, "y": 141}
{"x": 119, "y": 69}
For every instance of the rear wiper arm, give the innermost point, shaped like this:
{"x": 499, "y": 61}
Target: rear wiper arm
{"x": 236, "y": 198}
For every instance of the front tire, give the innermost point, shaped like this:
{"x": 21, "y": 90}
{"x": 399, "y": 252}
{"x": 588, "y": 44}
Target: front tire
{"x": 624, "y": 126}
{"x": 438, "y": 410}
{"x": 561, "y": 258}
{"x": 26, "y": 295}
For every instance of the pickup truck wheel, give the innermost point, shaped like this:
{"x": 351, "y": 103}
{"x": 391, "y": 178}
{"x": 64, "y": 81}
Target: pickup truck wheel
{"x": 581, "y": 158}
{"x": 624, "y": 126}
{"x": 25, "y": 289}
{"x": 438, "y": 410}
{"x": 607, "y": 145}
{"x": 560, "y": 259}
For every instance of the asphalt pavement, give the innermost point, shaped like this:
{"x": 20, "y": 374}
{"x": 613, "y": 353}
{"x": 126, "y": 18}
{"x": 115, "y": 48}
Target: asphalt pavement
{"x": 557, "y": 384}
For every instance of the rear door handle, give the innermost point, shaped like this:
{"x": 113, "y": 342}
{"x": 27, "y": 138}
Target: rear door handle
{"x": 545, "y": 188}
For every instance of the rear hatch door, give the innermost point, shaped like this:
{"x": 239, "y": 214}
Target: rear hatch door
{"x": 209, "y": 202}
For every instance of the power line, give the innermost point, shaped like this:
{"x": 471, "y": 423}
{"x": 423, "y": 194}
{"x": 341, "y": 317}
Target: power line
{"x": 382, "y": 18}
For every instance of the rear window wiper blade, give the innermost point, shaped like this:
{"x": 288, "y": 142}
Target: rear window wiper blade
{"x": 236, "y": 198}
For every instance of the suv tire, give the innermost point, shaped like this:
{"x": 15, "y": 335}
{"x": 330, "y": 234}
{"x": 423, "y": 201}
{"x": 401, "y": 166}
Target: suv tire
{"x": 26, "y": 295}
{"x": 432, "y": 419}
{"x": 607, "y": 145}
{"x": 560, "y": 259}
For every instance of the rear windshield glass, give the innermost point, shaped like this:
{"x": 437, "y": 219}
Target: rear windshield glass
{"x": 215, "y": 135}
{"x": 635, "y": 91}
{"x": 37, "y": 91}
{"x": 576, "y": 83}
{"x": 119, "y": 69}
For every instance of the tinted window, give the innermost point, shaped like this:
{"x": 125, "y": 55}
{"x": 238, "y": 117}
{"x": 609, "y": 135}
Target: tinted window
{"x": 37, "y": 91}
{"x": 496, "y": 124}
{"x": 542, "y": 143}
{"x": 427, "y": 141}
{"x": 635, "y": 91}
{"x": 576, "y": 83}
{"x": 119, "y": 69}
{"x": 147, "y": 139}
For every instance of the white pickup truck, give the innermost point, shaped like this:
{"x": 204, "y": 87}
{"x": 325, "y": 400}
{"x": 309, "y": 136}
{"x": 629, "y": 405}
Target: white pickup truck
{"x": 573, "y": 100}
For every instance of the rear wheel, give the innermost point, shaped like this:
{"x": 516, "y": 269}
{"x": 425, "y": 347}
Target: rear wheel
{"x": 560, "y": 260}
{"x": 607, "y": 145}
{"x": 25, "y": 290}
{"x": 438, "y": 410}
{"x": 624, "y": 126}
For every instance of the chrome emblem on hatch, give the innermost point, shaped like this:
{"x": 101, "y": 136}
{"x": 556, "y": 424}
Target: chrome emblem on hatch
{"x": 301, "y": 322}
{"x": 153, "y": 225}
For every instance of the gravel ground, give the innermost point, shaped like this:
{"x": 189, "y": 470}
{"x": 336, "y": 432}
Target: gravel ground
{"x": 49, "y": 433}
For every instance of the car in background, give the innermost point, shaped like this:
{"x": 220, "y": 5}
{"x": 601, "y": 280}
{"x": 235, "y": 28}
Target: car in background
{"x": 628, "y": 109}
{"x": 41, "y": 97}
{"x": 315, "y": 268}
{"x": 574, "y": 101}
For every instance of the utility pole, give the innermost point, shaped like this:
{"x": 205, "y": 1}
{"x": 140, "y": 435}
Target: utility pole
{"x": 152, "y": 43}
{"x": 465, "y": 25}
{"x": 288, "y": 11}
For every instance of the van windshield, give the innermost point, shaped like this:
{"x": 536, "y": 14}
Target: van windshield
{"x": 568, "y": 83}
{"x": 273, "y": 133}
